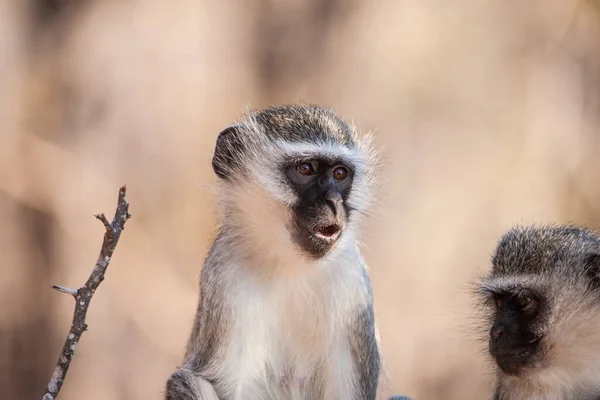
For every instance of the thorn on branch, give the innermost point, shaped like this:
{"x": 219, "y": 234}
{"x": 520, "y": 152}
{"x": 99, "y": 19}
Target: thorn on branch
{"x": 63, "y": 289}
{"x": 107, "y": 224}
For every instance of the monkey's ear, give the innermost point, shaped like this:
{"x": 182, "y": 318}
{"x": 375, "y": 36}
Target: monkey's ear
{"x": 592, "y": 267}
{"x": 226, "y": 153}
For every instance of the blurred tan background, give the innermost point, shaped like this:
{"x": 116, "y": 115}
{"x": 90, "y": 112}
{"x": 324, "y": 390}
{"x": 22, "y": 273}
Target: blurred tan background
{"x": 487, "y": 112}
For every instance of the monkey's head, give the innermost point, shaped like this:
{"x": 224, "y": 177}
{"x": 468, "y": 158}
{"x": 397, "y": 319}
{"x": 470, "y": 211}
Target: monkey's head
{"x": 294, "y": 176}
{"x": 543, "y": 302}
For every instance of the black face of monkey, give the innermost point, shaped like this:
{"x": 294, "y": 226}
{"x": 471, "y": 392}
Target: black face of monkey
{"x": 512, "y": 343}
{"x": 320, "y": 215}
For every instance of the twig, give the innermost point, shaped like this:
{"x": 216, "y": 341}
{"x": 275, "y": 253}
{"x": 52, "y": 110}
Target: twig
{"x": 83, "y": 295}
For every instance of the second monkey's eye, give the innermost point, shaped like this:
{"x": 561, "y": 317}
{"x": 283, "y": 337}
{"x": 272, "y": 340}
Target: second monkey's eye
{"x": 527, "y": 303}
{"x": 305, "y": 168}
{"x": 340, "y": 173}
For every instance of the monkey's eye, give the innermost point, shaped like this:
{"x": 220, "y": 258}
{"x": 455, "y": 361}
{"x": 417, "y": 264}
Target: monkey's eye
{"x": 526, "y": 303}
{"x": 305, "y": 168}
{"x": 340, "y": 173}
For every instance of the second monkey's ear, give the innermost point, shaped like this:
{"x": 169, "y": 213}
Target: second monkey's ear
{"x": 227, "y": 152}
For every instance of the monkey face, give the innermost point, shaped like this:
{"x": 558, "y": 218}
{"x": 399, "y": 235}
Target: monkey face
{"x": 543, "y": 306}
{"x": 513, "y": 343}
{"x": 294, "y": 178}
{"x": 321, "y": 213}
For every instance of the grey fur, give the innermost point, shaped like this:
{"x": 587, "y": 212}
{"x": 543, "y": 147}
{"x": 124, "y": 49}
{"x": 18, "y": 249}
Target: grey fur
{"x": 546, "y": 250}
{"x": 364, "y": 350}
{"x": 185, "y": 385}
{"x": 251, "y": 151}
{"x": 561, "y": 264}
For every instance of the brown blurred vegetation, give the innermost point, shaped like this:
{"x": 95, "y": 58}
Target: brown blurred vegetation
{"x": 487, "y": 112}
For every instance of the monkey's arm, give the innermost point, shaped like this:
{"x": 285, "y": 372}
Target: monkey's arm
{"x": 365, "y": 353}
{"x": 185, "y": 385}
{"x": 191, "y": 380}
{"x": 187, "y": 382}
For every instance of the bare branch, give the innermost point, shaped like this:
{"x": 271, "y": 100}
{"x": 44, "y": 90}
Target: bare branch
{"x": 83, "y": 295}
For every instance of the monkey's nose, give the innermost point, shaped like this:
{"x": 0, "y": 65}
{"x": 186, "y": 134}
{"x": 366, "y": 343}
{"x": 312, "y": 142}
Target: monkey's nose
{"x": 334, "y": 201}
{"x": 497, "y": 332}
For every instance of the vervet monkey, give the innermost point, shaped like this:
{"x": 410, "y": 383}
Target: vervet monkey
{"x": 285, "y": 309}
{"x": 543, "y": 296}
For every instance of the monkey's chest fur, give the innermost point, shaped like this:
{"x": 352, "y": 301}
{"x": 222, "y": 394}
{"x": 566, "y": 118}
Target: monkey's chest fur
{"x": 289, "y": 341}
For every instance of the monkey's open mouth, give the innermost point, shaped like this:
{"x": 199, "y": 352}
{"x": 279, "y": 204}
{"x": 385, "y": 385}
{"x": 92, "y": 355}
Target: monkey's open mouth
{"x": 328, "y": 232}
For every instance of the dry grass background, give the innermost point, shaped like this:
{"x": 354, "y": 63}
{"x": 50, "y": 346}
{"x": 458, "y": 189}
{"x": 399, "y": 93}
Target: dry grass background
{"x": 488, "y": 113}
